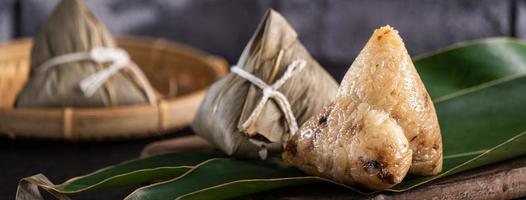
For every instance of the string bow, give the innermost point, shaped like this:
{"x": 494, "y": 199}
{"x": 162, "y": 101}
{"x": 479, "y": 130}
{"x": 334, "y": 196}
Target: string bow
{"x": 118, "y": 59}
{"x": 271, "y": 91}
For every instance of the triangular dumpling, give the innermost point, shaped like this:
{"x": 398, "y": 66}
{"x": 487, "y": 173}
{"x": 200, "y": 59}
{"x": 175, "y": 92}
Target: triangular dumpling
{"x": 381, "y": 125}
{"x": 72, "y": 28}
{"x": 231, "y": 100}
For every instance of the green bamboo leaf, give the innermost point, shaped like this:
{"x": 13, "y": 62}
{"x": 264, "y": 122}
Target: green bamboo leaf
{"x": 481, "y": 115}
{"x": 211, "y": 174}
{"x": 480, "y": 127}
{"x": 139, "y": 171}
{"x": 469, "y": 64}
{"x": 132, "y": 172}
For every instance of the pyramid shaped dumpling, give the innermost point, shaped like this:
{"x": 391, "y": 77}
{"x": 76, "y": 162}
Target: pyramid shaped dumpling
{"x": 381, "y": 125}
{"x": 230, "y": 102}
{"x": 71, "y": 29}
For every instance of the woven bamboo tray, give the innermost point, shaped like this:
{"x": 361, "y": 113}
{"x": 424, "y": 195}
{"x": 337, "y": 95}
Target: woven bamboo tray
{"x": 179, "y": 73}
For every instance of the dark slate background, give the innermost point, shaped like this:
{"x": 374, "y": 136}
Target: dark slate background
{"x": 333, "y": 30}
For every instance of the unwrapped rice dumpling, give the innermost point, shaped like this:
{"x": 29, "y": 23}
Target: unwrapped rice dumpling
{"x": 64, "y": 71}
{"x": 275, "y": 86}
{"x": 381, "y": 125}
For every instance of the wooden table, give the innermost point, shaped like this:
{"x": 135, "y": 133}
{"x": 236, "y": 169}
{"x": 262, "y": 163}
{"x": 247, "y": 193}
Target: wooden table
{"x": 505, "y": 180}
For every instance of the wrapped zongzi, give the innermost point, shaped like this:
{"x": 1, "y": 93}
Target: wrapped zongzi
{"x": 381, "y": 125}
{"x": 75, "y": 63}
{"x": 275, "y": 86}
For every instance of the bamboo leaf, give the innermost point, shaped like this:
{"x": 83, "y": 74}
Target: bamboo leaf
{"x": 222, "y": 174}
{"x": 127, "y": 173}
{"x": 469, "y": 64}
{"x": 480, "y": 127}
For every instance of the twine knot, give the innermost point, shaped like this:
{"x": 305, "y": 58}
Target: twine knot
{"x": 118, "y": 59}
{"x": 271, "y": 91}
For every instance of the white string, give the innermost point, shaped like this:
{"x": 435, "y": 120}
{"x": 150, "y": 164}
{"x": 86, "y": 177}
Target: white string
{"x": 118, "y": 58}
{"x": 271, "y": 91}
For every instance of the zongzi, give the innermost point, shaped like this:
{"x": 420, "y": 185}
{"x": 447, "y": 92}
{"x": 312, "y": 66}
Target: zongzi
{"x": 75, "y": 63}
{"x": 275, "y": 86}
{"x": 381, "y": 125}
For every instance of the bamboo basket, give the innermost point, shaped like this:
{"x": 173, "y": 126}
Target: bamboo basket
{"x": 179, "y": 73}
